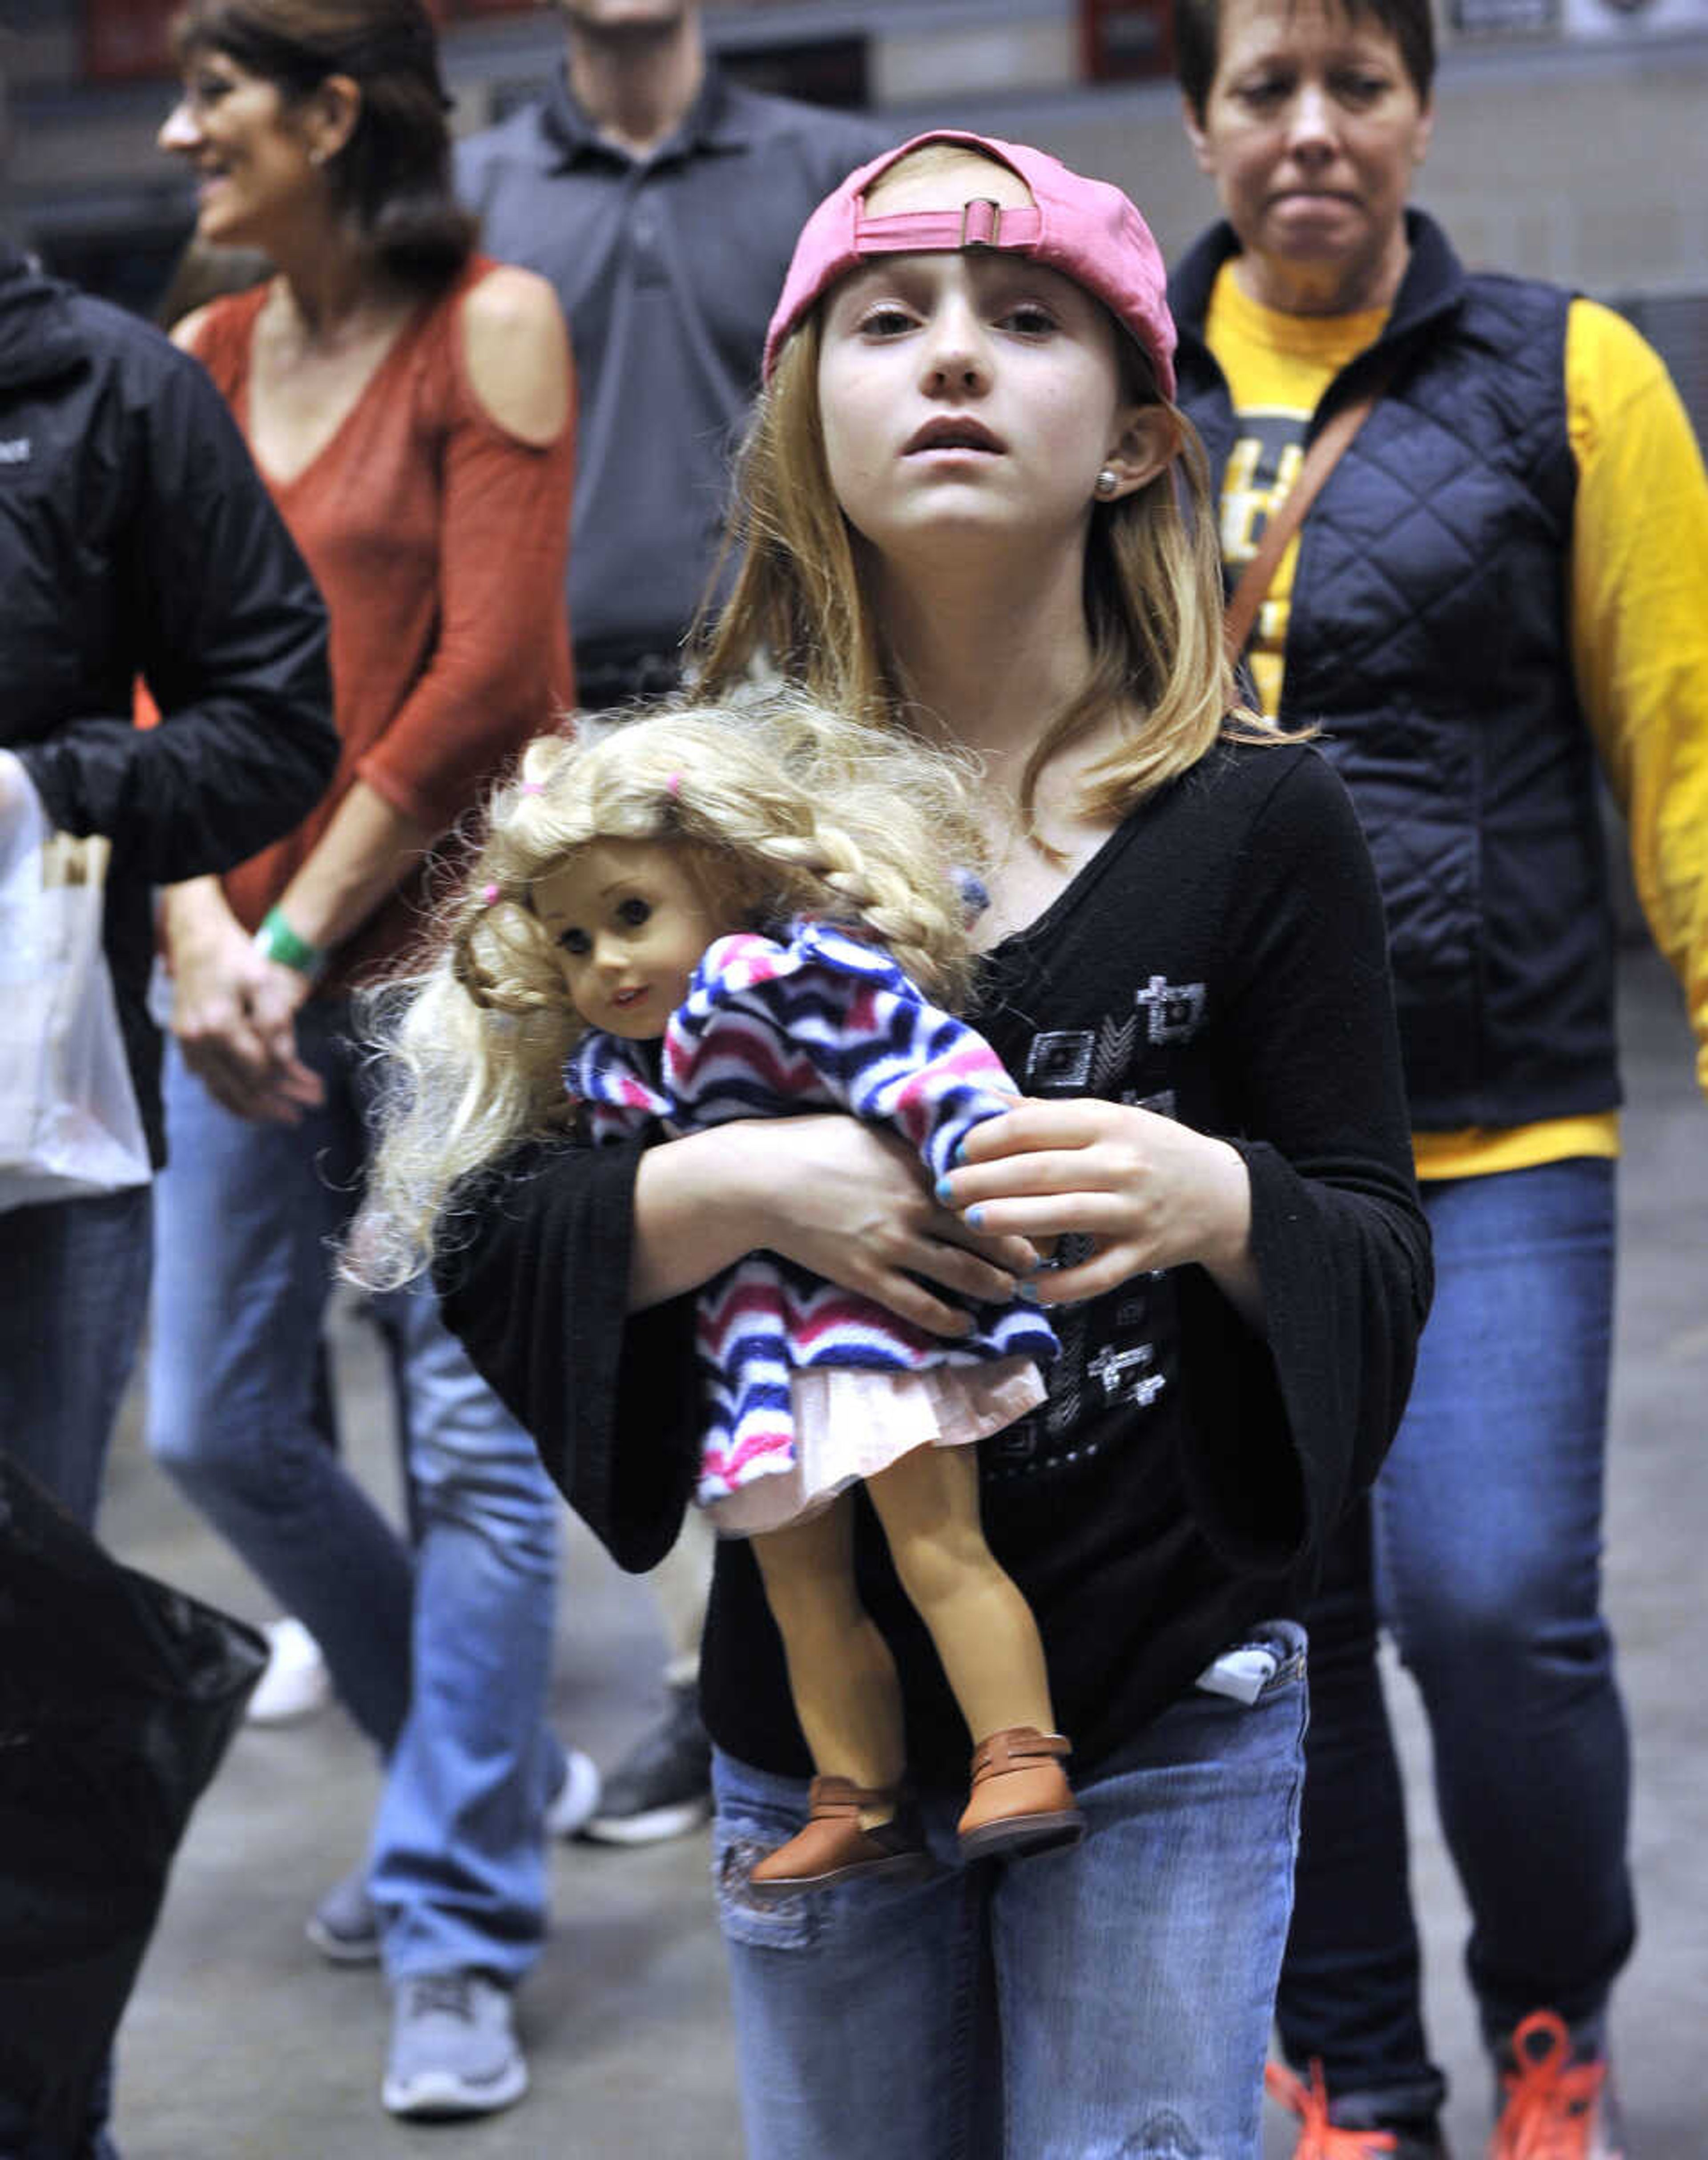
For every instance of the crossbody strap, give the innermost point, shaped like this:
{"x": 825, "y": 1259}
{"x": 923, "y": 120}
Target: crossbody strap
{"x": 1320, "y": 460}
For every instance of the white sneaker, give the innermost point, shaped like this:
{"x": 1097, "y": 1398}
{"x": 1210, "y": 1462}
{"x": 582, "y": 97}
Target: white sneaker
{"x": 575, "y": 1800}
{"x": 296, "y": 1683}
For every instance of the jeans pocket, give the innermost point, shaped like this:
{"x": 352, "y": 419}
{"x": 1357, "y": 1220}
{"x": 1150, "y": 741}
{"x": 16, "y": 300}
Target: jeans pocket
{"x": 1268, "y": 1658}
{"x": 740, "y": 1840}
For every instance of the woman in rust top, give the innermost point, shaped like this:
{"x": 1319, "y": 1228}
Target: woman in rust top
{"x": 409, "y": 405}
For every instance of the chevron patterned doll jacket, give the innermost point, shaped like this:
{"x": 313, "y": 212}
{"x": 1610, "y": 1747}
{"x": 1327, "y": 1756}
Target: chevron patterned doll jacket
{"x": 769, "y": 1028}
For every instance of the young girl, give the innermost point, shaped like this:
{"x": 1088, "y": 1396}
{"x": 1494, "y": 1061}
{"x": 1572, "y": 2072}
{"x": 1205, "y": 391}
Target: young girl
{"x": 664, "y": 900}
{"x": 970, "y": 508}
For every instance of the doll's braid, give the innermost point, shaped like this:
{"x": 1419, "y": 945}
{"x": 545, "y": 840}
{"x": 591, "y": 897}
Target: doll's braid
{"x": 829, "y": 861}
{"x": 483, "y": 923}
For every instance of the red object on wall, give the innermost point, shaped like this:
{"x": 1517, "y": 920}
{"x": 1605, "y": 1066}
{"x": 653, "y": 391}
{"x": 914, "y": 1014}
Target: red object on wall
{"x": 1125, "y": 40}
{"x": 123, "y": 38}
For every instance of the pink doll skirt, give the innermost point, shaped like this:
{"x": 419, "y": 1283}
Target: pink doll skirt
{"x": 851, "y": 1423}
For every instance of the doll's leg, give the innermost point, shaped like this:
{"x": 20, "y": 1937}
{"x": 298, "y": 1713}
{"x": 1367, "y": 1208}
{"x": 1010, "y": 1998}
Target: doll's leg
{"x": 848, "y": 1701}
{"x": 841, "y": 1674}
{"x": 991, "y": 1652}
{"x": 983, "y": 1627}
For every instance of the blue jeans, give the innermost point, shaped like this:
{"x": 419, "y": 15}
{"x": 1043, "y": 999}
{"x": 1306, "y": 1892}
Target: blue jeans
{"x": 442, "y": 1655}
{"x": 1114, "y": 1998}
{"x": 74, "y": 1288}
{"x": 1482, "y": 1553}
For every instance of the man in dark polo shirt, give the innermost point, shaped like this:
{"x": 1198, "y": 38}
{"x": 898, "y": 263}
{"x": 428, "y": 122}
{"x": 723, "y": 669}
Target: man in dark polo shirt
{"x": 663, "y": 202}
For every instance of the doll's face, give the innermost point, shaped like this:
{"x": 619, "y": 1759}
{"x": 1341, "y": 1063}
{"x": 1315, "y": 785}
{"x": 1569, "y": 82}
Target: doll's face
{"x": 629, "y": 920}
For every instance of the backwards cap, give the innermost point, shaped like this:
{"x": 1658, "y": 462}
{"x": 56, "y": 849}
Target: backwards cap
{"x": 1086, "y": 229}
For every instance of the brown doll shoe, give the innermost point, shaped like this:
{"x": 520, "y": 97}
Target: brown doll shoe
{"x": 834, "y": 1847}
{"x": 1021, "y": 1802}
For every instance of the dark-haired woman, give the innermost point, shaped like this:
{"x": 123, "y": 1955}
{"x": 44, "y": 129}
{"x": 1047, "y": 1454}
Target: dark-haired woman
{"x": 409, "y": 405}
{"x": 1499, "y": 585}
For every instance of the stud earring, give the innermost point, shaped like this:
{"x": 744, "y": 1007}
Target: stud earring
{"x": 1108, "y": 480}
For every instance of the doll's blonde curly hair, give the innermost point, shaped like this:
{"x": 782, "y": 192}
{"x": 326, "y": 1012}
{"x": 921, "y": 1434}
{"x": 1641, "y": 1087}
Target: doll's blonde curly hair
{"x": 790, "y": 810}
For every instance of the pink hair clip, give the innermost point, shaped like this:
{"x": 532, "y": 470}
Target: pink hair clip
{"x": 674, "y": 783}
{"x": 489, "y": 893}
{"x": 533, "y": 787}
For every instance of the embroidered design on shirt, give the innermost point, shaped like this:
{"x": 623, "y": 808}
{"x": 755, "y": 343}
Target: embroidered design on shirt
{"x": 15, "y": 451}
{"x": 1062, "y": 1412}
{"x": 1113, "y": 1353}
{"x": 1173, "y": 1010}
{"x": 1116, "y": 1039}
{"x": 1060, "y": 1061}
{"x": 1125, "y": 1374}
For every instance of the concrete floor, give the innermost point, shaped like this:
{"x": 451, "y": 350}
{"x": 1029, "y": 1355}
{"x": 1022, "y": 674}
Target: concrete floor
{"x": 241, "y": 2044}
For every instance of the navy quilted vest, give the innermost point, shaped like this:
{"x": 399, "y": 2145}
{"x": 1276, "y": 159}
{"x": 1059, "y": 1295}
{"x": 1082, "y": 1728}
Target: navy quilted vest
{"x": 1429, "y": 640}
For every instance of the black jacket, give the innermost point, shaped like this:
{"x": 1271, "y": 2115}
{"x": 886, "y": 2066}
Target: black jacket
{"x": 1430, "y": 639}
{"x": 136, "y": 538}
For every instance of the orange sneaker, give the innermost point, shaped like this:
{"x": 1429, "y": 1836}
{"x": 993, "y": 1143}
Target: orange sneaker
{"x": 1555, "y": 2109}
{"x": 1320, "y": 2139}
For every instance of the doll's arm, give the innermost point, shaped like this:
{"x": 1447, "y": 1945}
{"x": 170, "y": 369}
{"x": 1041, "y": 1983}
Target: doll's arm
{"x": 930, "y": 1076}
{"x": 871, "y": 1041}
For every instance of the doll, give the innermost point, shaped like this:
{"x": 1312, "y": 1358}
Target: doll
{"x": 735, "y": 913}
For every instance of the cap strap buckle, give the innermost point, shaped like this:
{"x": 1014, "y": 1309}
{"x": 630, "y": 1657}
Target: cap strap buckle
{"x": 981, "y": 223}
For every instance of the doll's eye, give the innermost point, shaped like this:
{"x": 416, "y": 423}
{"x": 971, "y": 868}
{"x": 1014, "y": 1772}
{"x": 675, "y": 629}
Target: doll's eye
{"x": 577, "y": 943}
{"x": 632, "y": 912}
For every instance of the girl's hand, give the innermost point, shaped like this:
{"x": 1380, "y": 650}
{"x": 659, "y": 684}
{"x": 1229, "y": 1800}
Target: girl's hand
{"x": 828, "y": 1192}
{"x": 1150, "y": 1191}
{"x": 860, "y": 1212}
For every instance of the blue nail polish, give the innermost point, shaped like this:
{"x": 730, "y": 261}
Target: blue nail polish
{"x": 942, "y": 1189}
{"x": 975, "y": 1216}
{"x": 1027, "y": 1293}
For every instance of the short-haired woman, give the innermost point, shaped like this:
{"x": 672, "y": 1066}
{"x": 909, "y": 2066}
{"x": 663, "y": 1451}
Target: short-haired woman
{"x": 1500, "y": 582}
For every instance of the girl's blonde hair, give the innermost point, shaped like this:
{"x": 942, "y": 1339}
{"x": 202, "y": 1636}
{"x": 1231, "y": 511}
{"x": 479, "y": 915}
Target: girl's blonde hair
{"x": 1153, "y": 589}
{"x": 789, "y": 809}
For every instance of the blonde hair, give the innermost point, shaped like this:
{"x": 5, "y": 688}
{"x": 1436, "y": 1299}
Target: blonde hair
{"x": 789, "y": 809}
{"x": 1153, "y": 589}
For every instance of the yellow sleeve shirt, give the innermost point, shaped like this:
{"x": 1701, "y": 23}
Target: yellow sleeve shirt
{"x": 1639, "y": 616}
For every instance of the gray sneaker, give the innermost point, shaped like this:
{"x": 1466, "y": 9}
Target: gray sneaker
{"x": 344, "y": 1927}
{"x": 453, "y": 2048}
{"x": 663, "y": 1787}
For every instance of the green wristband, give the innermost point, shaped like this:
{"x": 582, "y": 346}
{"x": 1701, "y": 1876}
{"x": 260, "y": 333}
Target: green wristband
{"x": 275, "y": 940}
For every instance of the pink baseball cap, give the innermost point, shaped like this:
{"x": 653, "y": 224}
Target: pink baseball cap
{"x": 1086, "y": 229}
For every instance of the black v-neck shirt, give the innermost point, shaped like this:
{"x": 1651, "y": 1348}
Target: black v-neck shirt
{"x": 1220, "y": 960}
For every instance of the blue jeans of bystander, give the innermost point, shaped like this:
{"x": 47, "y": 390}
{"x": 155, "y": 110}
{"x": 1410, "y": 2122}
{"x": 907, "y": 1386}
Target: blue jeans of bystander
{"x": 1111, "y": 1999}
{"x": 1487, "y": 1566}
{"x": 73, "y": 1287}
{"x": 442, "y": 1655}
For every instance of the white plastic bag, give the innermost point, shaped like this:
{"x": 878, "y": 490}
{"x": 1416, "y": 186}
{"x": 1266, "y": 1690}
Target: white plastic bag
{"x": 68, "y": 1121}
